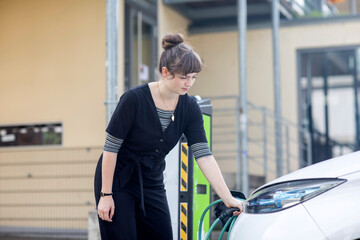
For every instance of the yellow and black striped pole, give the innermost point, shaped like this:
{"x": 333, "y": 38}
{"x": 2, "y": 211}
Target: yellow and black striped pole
{"x": 184, "y": 167}
{"x": 183, "y": 221}
{"x": 184, "y": 187}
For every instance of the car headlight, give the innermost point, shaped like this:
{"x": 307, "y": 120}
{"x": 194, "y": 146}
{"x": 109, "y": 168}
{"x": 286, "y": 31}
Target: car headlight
{"x": 280, "y": 196}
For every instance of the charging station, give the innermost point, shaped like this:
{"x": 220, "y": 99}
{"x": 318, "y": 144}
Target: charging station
{"x": 187, "y": 189}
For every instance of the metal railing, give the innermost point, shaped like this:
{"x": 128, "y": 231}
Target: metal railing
{"x": 326, "y": 148}
{"x": 261, "y": 140}
{"x": 300, "y": 148}
{"x": 290, "y": 140}
{"x": 46, "y": 192}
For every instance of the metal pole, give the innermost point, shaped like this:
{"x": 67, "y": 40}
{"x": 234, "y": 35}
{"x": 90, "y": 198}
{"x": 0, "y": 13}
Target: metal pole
{"x": 352, "y": 7}
{"x": 238, "y": 145}
{"x": 308, "y": 128}
{"x": 319, "y": 4}
{"x": 292, "y": 4}
{"x": 308, "y": 147}
{"x": 287, "y": 149}
{"x": 112, "y": 20}
{"x": 139, "y": 46}
{"x": 265, "y": 144}
{"x": 277, "y": 89}
{"x": 243, "y": 168}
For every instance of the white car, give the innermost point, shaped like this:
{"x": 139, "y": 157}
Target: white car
{"x": 321, "y": 201}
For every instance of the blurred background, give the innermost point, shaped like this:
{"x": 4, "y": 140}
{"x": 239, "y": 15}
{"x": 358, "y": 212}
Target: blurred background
{"x": 282, "y": 76}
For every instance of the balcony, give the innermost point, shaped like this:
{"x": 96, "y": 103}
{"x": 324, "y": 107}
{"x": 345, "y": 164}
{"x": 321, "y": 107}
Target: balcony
{"x": 220, "y": 15}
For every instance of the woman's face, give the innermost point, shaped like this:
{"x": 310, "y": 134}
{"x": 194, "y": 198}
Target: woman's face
{"x": 181, "y": 83}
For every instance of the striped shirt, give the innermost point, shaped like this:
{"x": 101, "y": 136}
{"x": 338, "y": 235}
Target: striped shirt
{"x": 113, "y": 144}
{"x": 165, "y": 117}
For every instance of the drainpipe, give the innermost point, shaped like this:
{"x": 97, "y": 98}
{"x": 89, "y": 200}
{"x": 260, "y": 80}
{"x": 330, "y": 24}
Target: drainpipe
{"x": 242, "y": 169}
{"x": 277, "y": 87}
{"x": 111, "y": 64}
{"x": 352, "y": 7}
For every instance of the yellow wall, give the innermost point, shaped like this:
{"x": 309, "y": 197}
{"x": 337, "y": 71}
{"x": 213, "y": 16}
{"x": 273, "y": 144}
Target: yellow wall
{"x": 49, "y": 188}
{"x": 169, "y": 21}
{"x": 52, "y": 66}
{"x": 52, "y": 69}
{"x": 220, "y": 57}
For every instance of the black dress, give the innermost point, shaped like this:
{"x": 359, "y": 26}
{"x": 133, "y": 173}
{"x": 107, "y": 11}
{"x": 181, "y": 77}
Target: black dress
{"x": 141, "y": 209}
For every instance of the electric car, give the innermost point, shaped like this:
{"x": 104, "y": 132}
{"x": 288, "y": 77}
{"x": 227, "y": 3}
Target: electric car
{"x": 321, "y": 201}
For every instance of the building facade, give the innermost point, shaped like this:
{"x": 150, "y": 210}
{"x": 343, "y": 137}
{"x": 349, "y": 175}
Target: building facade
{"x": 53, "y": 89}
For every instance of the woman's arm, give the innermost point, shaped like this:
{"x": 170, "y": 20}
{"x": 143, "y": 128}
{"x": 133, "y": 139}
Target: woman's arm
{"x": 211, "y": 170}
{"x": 106, "y": 207}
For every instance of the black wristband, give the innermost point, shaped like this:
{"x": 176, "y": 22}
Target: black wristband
{"x": 105, "y": 194}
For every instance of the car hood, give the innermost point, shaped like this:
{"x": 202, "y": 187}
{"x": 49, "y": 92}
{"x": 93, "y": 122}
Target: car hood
{"x": 332, "y": 168}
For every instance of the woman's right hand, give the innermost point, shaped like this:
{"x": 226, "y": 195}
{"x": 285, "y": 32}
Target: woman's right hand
{"x": 106, "y": 208}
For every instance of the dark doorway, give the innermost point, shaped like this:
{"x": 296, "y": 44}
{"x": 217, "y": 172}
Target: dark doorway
{"x": 329, "y": 102}
{"x": 140, "y": 42}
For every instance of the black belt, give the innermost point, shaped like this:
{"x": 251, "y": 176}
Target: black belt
{"x": 126, "y": 172}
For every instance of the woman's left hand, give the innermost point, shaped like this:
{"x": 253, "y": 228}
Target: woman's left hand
{"x": 233, "y": 202}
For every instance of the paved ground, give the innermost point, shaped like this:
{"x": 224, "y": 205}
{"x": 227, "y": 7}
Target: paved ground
{"x": 214, "y": 236}
{"x": 41, "y": 238}
{"x": 23, "y": 238}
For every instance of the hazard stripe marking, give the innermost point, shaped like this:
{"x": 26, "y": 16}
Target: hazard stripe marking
{"x": 184, "y": 168}
{"x": 184, "y": 148}
{"x": 183, "y": 221}
{"x": 183, "y": 210}
{"x": 183, "y": 183}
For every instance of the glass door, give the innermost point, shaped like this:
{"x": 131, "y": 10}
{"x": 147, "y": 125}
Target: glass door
{"x": 329, "y": 103}
{"x": 140, "y": 48}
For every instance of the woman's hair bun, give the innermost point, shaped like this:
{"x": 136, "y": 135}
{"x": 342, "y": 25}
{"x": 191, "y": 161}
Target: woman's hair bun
{"x": 171, "y": 40}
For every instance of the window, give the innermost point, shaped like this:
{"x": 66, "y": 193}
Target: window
{"x": 329, "y": 84}
{"x": 31, "y": 135}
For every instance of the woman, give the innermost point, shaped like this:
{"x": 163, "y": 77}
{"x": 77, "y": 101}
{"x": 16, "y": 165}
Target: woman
{"x": 147, "y": 123}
